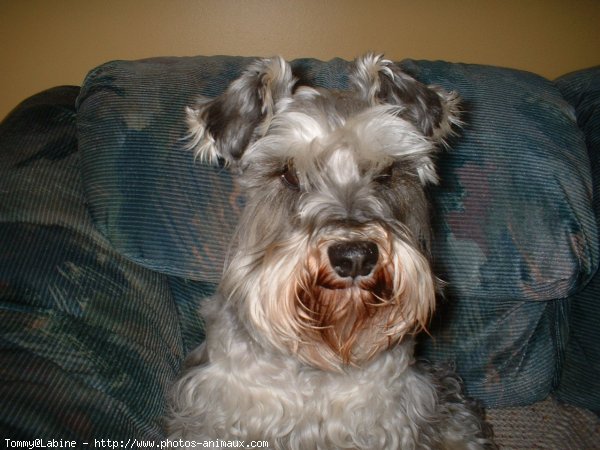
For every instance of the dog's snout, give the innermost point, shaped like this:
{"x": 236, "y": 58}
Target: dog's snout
{"x": 353, "y": 258}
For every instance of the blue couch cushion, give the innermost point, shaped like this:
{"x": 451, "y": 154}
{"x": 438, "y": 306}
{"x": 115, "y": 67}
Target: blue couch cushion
{"x": 514, "y": 216}
{"x": 580, "y": 376}
{"x": 89, "y": 341}
{"x": 513, "y": 211}
{"x": 514, "y": 206}
{"x": 515, "y": 230}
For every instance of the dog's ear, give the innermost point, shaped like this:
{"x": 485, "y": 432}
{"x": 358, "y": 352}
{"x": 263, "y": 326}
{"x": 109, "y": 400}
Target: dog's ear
{"x": 221, "y": 129}
{"x": 431, "y": 109}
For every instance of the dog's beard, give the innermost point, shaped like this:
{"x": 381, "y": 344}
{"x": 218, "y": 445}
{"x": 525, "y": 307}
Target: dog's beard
{"x": 302, "y": 306}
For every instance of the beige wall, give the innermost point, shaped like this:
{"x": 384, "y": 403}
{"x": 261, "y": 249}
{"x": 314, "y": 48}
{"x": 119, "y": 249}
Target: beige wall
{"x": 44, "y": 43}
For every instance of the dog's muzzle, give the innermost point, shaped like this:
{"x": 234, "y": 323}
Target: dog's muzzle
{"x": 351, "y": 259}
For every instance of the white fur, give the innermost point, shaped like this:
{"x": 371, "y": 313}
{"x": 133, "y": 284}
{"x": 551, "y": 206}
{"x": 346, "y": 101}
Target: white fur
{"x": 198, "y": 139}
{"x": 247, "y": 394}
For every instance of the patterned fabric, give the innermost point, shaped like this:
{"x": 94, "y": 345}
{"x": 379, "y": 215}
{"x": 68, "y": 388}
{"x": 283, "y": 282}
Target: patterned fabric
{"x": 546, "y": 425}
{"x": 177, "y": 215}
{"x": 515, "y": 232}
{"x": 515, "y": 184}
{"x": 89, "y": 341}
{"x": 580, "y": 378}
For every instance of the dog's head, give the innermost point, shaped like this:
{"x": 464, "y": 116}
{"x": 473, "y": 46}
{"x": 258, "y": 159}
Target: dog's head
{"x": 331, "y": 255}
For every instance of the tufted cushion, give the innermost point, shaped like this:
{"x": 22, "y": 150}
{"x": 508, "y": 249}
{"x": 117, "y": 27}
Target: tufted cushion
{"x": 515, "y": 231}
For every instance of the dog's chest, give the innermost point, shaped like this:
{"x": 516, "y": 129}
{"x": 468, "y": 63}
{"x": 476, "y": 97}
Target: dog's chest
{"x": 281, "y": 401}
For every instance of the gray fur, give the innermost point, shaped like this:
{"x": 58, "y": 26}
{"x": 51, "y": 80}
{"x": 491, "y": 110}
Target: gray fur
{"x": 299, "y": 351}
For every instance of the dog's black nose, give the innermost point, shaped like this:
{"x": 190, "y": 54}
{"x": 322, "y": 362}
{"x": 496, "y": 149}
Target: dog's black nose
{"x": 353, "y": 258}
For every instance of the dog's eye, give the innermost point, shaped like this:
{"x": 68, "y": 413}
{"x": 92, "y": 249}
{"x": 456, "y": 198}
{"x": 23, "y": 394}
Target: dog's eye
{"x": 385, "y": 176}
{"x": 289, "y": 177}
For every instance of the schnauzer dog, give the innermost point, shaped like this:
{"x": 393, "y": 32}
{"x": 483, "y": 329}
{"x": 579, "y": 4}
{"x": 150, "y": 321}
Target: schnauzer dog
{"x": 309, "y": 340}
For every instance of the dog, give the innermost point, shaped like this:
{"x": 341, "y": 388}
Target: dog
{"x": 310, "y": 337}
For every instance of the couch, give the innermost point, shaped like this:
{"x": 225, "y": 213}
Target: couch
{"x": 112, "y": 234}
